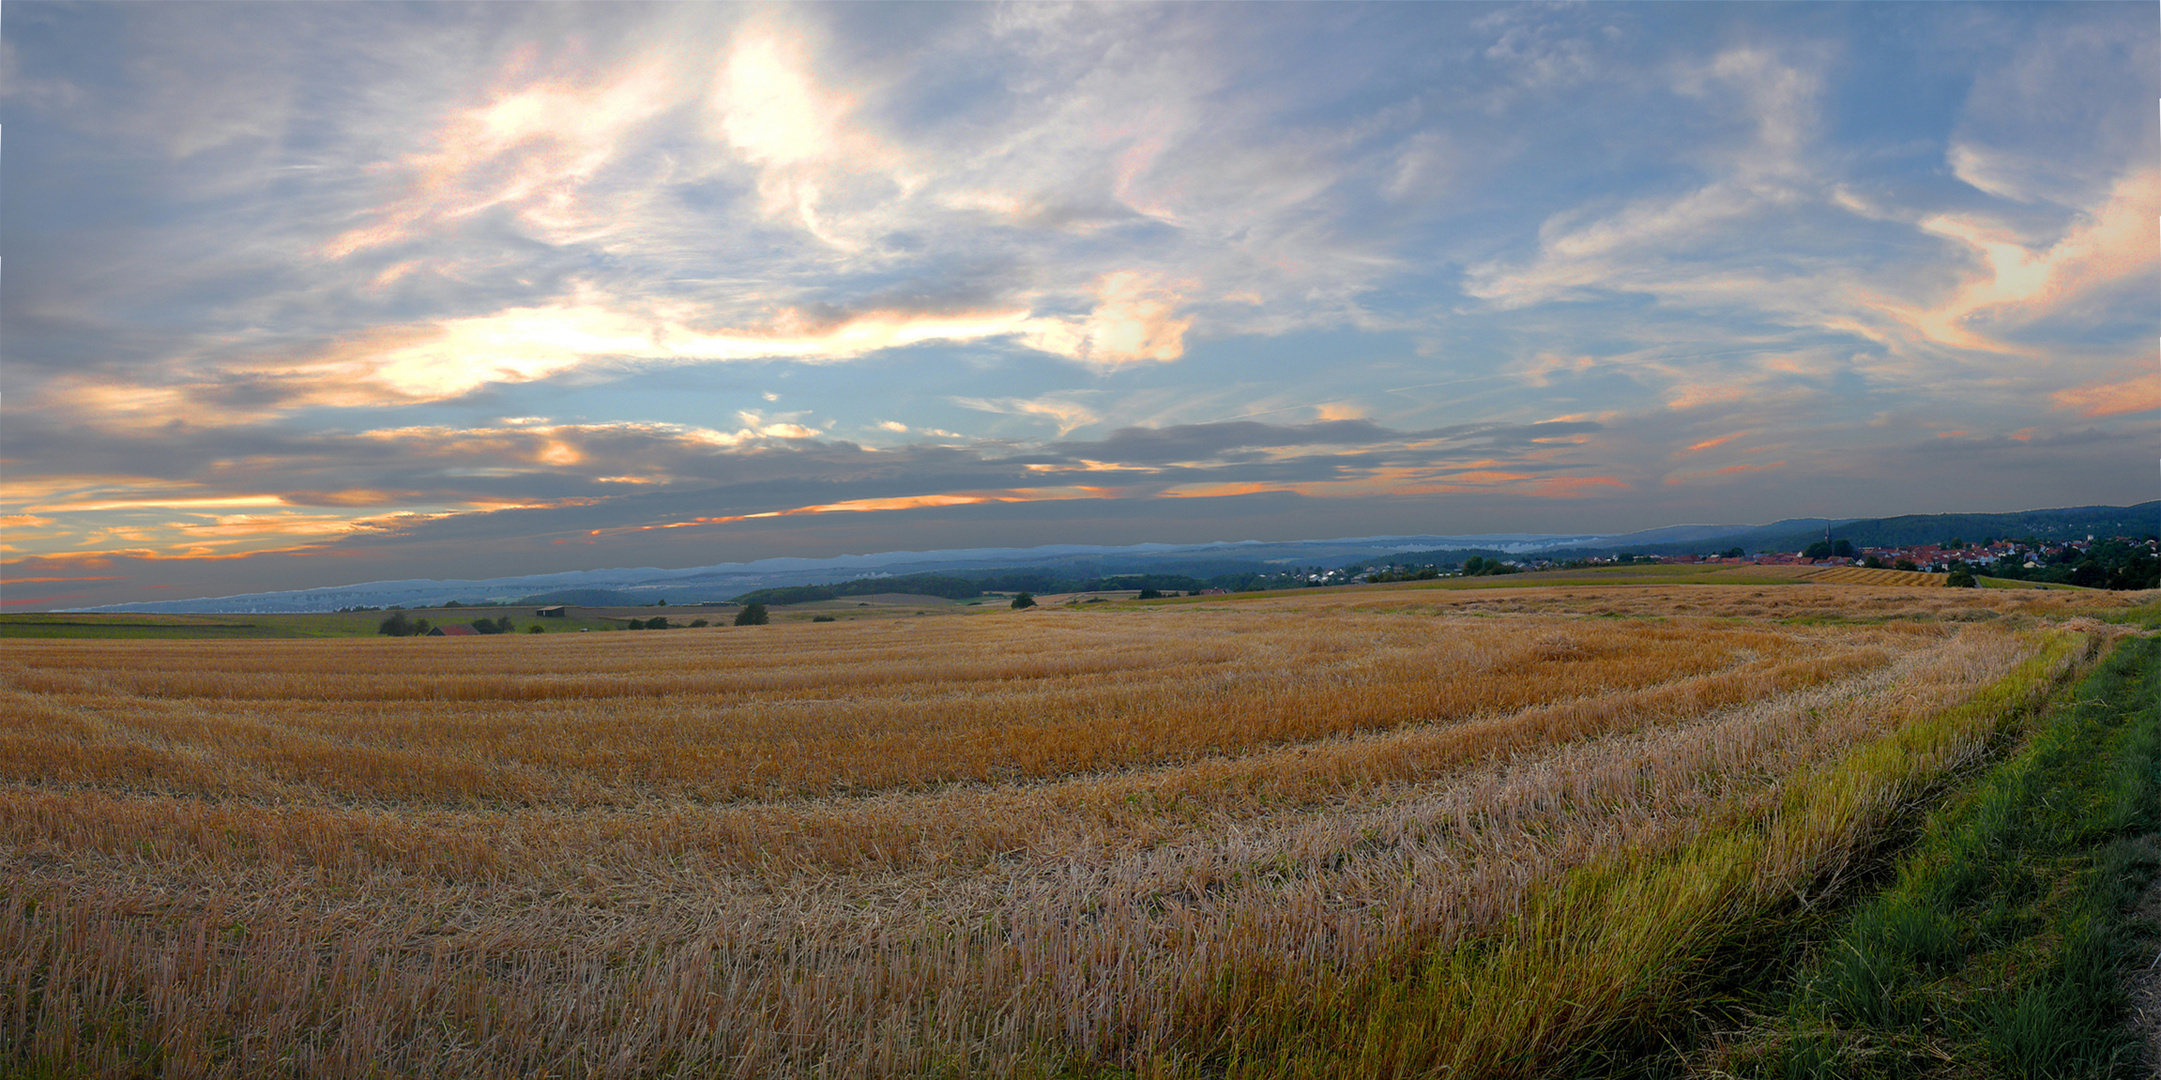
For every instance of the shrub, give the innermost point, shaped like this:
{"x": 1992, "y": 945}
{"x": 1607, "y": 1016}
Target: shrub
{"x": 634, "y": 624}
{"x": 1961, "y": 578}
{"x": 753, "y": 614}
{"x": 536, "y": 628}
{"x": 1023, "y": 600}
{"x": 1150, "y": 594}
{"x": 698, "y": 623}
{"x": 657, "y": 622}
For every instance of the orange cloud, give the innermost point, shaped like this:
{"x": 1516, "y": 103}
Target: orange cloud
{"x": 865, "y": 506}
{"x": 219, "y": 502}
{"x": 2140, "y": 393}
{"x": 1133, "y": 321}
{"x": 528, "y": 344}
{"x": 1720, "y": 441}
{"x": 2111, "y": 242}
{"x": 1701, "y": 394}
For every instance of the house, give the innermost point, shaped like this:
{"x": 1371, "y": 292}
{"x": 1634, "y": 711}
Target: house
{"x": 453, "y": 631}
{"x": 559, "y": 611}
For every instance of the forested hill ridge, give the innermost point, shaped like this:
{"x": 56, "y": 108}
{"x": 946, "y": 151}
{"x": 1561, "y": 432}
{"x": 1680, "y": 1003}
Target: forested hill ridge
{"x": 2040, "y": 526}
{"x": 2074, "y": 523}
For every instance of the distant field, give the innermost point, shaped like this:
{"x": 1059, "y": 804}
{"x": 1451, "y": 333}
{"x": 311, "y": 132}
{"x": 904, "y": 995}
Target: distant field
{"x": 129, "y": 626}
{"x": 891, "y": 605}
{"x": 1355, "y": 832}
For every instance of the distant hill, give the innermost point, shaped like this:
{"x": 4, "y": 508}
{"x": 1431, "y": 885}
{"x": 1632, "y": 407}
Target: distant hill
{"x": 2074, "y": 523}
{"x": 1039, "y": 569}
{"x": 588, "y": 598}
{"x": 2069, "y": 523}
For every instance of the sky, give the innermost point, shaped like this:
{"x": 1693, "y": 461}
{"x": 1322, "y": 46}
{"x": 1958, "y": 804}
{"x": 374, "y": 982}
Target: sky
{"x": 304, "y": 294}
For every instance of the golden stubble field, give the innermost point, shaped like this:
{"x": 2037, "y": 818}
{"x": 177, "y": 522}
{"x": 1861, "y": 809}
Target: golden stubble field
{"x": 1034, "y": 842}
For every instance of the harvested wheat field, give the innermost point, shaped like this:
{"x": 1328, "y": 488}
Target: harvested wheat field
{"x": 1348, "y": 833}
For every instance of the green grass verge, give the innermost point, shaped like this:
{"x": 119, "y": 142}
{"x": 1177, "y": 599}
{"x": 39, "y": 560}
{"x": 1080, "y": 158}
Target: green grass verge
{"x": 1997, "y": 949}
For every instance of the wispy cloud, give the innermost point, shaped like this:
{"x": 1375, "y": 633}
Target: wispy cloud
{"x": 281, "y": 272}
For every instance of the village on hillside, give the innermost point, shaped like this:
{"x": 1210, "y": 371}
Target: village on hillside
{"x": 2113, "y": 562}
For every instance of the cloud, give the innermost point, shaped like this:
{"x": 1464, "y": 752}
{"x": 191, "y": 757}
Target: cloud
{"x": 2053, "y": 120}
{"x": 374, "y": 486}
{"x": 1646, "y": 245}
{"x": 2137, "y": 394}
{"x": 307, "y": 258}
{"x": 1134, "y": 320}
{"x": 2104, "y": 245}
{"x": 1065, "y": 414}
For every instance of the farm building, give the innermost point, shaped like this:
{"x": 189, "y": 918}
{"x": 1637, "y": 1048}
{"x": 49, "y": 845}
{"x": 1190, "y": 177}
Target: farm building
{"x": 559, "y": 611}
{"x": 453, "y": 631}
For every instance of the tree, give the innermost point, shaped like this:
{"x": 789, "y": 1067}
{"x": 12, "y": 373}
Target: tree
{"x": 1842, "y": 549}
{"x": 753, "y": 614}
{"x": 634, "y": 624}
{"x": 1023, "y": 600}
{"x": 1961, "y": 578}
{"x": 1821, "y": 549}
{"x": 1150, "y": 594}
{"x": 1905, "y": 564}
{"x": 657, "y": 622}
{"x": 1733, "y": 553}
{"x": 1872, "y": 562}
{"x": 397, "y": 625}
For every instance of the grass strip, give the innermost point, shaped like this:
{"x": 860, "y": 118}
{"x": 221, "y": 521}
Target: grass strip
{"x": 1625, "y": 943}
{"x": 1998, "y": 950}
